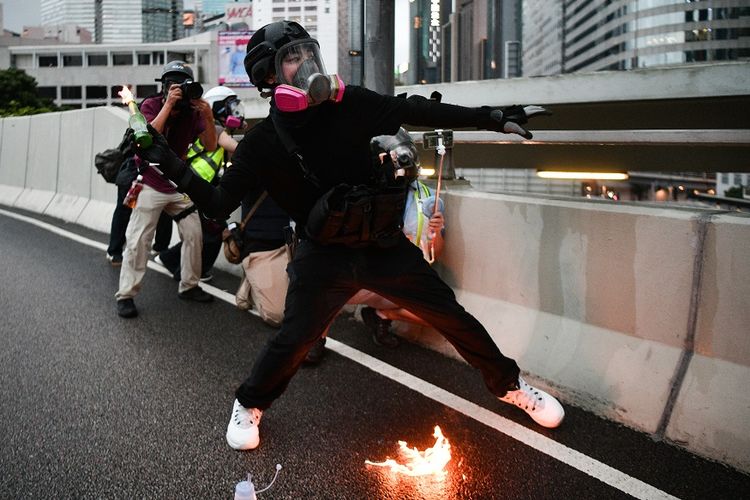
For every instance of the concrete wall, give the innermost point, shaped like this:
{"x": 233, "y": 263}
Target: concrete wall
{"x": 47, "y": 164}
{"x": 636, "y": 313}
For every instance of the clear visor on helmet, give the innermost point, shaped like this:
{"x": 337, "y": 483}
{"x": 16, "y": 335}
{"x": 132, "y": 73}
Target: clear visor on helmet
{"x": 297, "y": 61}
{"x": 234, "y": 107}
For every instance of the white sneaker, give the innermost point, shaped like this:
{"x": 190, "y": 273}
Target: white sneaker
{"x": 543, "y": 408}
{"x": 242, "y": 431}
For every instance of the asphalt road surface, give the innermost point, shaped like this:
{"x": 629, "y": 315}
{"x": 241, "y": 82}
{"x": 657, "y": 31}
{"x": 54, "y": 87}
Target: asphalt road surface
{"x": 95, "y": 406}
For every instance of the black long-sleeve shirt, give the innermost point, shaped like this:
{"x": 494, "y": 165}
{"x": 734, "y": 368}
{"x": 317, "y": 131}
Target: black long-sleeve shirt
{"x": 335, "y": 143}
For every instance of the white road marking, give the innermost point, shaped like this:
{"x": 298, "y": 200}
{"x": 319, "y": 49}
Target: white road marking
{"x": 594, "y": 468}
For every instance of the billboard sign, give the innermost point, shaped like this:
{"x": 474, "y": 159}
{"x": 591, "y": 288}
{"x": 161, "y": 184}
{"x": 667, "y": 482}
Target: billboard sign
{"x": 236, "y": 13}
{"x": 232, "y": 46}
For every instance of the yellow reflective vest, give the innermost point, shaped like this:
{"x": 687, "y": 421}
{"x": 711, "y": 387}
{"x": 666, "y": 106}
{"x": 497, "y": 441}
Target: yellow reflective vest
{"x": 205, "y": 163}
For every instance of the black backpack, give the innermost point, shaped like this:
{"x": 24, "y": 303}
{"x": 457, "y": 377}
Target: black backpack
{"x": 109, "y": 161}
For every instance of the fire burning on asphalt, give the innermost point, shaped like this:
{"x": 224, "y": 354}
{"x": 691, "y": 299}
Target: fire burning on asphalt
{"x": 431, "y": 461}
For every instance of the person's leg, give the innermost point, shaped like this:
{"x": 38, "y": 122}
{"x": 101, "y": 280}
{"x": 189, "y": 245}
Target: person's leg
{"x": 138, "y": 241}
{"x": 404, "y": 277}
{"x": 401, "y": 314}
{"x": 171, "y": 258}
{"x": 120, "y": 218}
{"x": 266, "y": 274}
{"x": 401, "y": 275}
{"x": 211, "y": 245}
{"x": 378, "y": 326}
{"x": 320, "y": 282}
{"x": 163, "y": 233}
{"x": 189, "y": 229}
{"x": 243, "y": 296}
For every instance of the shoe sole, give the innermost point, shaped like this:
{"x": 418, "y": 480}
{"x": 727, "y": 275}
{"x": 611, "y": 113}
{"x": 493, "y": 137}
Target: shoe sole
{"x": 240, "y": 446}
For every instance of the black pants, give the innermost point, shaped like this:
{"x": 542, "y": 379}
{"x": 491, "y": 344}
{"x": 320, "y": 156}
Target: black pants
{"x": 120, "y": 219}
{"x": 323, "y": 278}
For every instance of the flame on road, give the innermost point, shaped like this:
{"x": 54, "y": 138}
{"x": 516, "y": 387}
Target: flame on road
{"x": 431, "y": 461}
{"x": 126, "y": 95}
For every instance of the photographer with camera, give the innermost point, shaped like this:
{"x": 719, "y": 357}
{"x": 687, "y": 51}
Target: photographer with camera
{"x": 181, "y": 116}
{"x": 229, "y": 118}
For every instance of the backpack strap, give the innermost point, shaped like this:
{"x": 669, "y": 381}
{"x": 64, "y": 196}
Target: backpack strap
{"x": 254, "y": 208}
{"x": 294, "y": 150}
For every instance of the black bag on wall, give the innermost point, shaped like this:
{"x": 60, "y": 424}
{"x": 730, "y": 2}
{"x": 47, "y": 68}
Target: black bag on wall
{"x": 109, "y": 161}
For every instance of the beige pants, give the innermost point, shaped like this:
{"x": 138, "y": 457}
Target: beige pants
{"x": 140, "y": 232}
{"x": 265, "y": 284}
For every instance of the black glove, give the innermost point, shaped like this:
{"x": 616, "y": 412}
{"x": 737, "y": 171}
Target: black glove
{"x": 509, "y": 119}
{"x": 163, "y": 159}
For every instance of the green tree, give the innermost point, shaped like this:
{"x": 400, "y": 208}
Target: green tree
{"x": 733, "y": 192}
{"x": 18, "y": 94}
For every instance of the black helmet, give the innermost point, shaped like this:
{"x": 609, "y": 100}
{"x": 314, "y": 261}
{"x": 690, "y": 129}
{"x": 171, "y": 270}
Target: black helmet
{"x": 176, "y": 68}
{"x": 262, "y": 47}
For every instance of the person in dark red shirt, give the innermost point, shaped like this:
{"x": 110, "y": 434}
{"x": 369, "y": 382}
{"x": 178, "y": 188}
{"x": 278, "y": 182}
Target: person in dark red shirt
{"x": 180, "y": 119}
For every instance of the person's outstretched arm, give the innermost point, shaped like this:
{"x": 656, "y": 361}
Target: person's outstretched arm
{"x": 387, "y": 113}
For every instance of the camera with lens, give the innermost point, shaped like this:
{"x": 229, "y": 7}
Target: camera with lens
{"x": 191, "y": 90}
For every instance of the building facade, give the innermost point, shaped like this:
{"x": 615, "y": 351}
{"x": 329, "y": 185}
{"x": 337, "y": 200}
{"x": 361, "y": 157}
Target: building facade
{"x": 118, "y": 21}
{"x": 542, "y": 38}
{"x": 319, "y": 17}
{"x": 90, "y": 75}
{"x": 77, "y": 12}
{"x": 595, "y": 35}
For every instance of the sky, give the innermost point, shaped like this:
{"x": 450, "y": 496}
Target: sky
{"x": 20, "y": 13}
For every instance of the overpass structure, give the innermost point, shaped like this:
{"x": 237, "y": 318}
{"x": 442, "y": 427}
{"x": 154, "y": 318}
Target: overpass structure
{"x": 638, "y": 313}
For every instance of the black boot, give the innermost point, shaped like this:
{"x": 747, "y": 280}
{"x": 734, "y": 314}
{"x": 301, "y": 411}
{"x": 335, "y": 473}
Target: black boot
{"x": 379, "y": 328}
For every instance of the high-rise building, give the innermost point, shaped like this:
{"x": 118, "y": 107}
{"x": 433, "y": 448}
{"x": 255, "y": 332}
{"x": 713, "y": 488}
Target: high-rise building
{"x": 78, "y": 12}
{"x": 542, "y": 39}
{"x": 594, "y": 35}
{"x": 118, "y": 21}
{"x": 464, "y": 40}
{"x": 319, "y": 17}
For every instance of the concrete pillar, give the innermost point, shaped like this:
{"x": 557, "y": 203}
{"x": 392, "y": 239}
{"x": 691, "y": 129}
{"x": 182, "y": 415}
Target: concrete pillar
{"x": 379, "y": 50}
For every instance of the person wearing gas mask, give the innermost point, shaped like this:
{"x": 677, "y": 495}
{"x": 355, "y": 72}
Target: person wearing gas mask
{"x": 312, "y": 155}
{"x": 424, "y": 225}
{"x": 228, "y": 118}
{"x": 178, "y": 116}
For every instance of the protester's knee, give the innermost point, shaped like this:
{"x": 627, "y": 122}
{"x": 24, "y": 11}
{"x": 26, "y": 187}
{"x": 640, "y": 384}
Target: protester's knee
{"x": 270, "y": 316}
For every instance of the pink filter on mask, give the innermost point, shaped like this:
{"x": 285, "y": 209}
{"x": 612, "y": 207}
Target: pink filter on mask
{"x": 290, "y": 99}
{"x": 233, "y": 122}
{"x": 340, "y": 92}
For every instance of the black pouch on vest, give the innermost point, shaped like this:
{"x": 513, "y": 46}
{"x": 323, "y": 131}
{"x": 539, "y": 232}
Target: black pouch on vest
{"x": 357, "y": 216}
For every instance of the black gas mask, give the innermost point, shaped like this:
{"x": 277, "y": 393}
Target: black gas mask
{"x": 401, "y": 154}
